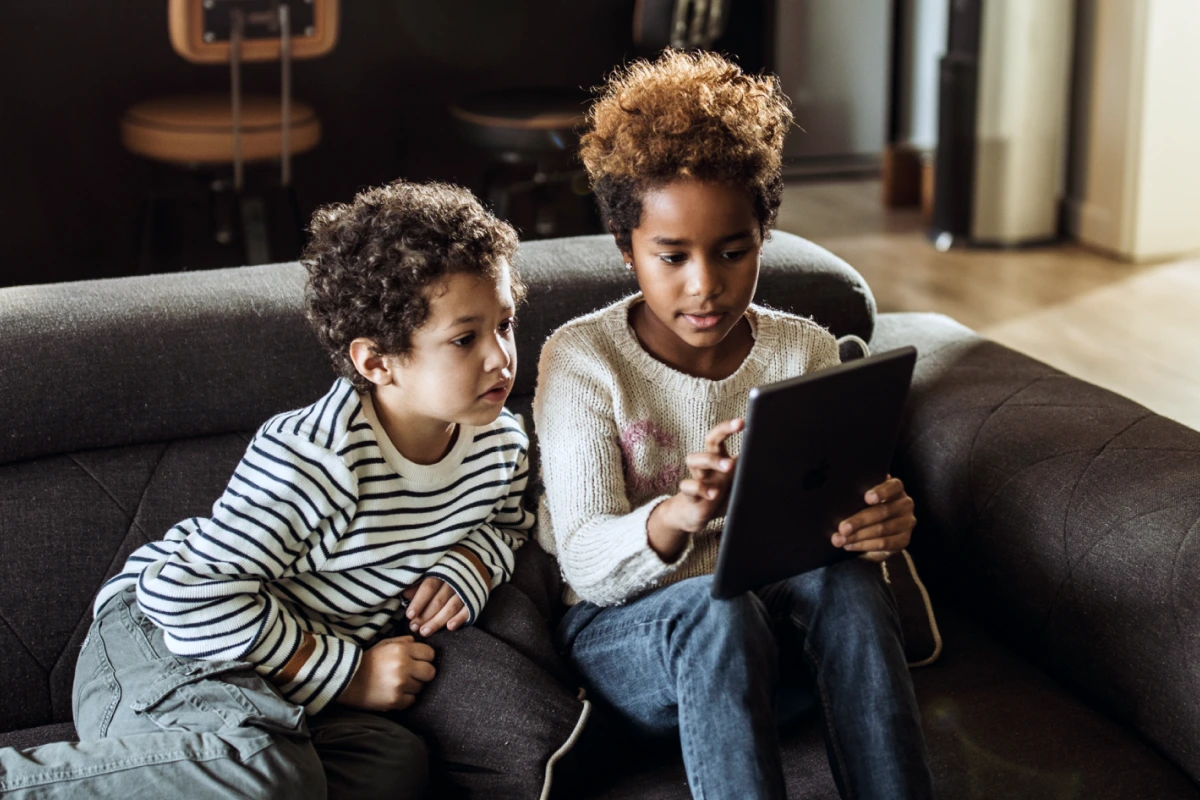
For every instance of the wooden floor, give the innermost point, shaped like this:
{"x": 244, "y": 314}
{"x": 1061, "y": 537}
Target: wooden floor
{"x": 1133, "y": 329}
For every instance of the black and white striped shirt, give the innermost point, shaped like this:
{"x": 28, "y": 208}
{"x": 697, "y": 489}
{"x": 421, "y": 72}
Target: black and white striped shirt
{"x": 323, "y": 525}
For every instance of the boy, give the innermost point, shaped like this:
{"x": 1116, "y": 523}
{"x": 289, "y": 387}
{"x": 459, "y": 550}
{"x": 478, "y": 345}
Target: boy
{"x": 211, "y": 647}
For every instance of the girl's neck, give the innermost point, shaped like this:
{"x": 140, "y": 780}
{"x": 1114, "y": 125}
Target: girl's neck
{"x": 712, "y": 363}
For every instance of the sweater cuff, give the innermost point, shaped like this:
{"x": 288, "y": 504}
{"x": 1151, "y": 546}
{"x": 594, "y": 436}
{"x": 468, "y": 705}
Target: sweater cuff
{"x": 273, "y": 648}
{"x": 456, "y": 569}
{"x": 624, "y": 565}
{"x": 642, "y": 566}
{"x": 325, "y": 675}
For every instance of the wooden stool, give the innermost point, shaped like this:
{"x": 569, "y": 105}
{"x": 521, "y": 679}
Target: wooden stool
{"x": 526, "y": 126}
{"x": 208, "y": 134}
{"x": 199, "y": 129}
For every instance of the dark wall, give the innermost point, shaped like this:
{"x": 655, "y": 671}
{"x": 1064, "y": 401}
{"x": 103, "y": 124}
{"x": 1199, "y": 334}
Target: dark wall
{"x": 71, "y": 196}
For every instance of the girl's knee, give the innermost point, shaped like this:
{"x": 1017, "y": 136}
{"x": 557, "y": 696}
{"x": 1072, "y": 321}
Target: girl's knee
{"x": 741, "y": 620}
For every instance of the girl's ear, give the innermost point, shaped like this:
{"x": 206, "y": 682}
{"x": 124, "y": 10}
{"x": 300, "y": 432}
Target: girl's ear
{"x": 370, "y": 363}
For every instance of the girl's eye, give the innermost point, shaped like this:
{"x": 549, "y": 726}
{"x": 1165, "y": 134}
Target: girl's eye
{"x": 673, "y": 258}
{"x": 733, "y": 255}
{"x": 508, "y": 325}
{"x": 463, "y": 341}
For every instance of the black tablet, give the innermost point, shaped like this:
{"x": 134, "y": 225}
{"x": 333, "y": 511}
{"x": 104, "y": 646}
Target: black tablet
{"x": 812, "y": 448}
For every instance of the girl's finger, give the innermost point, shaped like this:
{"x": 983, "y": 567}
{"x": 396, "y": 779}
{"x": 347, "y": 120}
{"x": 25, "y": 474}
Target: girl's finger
{"x": 694, "y": 488}
{"x": 709, "y": 462}
{"x": 891, "y": 544}
{"x": 876, "y": 514}
{"x": 890, "y": 489}
{"x": 714, "y": 440}
{"x": 891, "y": 529}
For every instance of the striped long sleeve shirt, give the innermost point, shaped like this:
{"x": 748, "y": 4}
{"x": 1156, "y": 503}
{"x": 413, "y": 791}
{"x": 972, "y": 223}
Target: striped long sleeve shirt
{"x": 322, "y": 527}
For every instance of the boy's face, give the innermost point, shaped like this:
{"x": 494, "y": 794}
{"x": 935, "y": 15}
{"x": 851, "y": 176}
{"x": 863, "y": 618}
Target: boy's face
{"x": 463, "y": 359}
{"x": 695, "y": 253}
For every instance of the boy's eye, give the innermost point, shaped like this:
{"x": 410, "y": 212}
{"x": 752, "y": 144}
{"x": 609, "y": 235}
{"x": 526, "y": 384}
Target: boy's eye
{"x": 508, "y": 325}
{"x": 463, "y": 341}
{"x": 733, "y": 255}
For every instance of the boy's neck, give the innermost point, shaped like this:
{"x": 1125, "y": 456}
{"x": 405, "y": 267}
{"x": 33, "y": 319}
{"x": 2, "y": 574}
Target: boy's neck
{"x": 418, "y": 438}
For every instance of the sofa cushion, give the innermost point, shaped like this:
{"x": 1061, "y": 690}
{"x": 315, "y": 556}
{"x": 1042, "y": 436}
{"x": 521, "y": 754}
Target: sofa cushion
{"x": 43, "y": 734}
{"x": 1062, "y": 515}
{"x": 502, "y": 712}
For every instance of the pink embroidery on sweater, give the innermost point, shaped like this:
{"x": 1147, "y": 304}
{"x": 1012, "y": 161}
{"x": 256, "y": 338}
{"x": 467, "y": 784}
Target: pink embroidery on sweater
{"x": 640, "y": 435}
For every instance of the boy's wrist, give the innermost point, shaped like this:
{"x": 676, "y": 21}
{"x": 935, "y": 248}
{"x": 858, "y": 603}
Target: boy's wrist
{"x": 292, "y": 668}
{"x": 466, "y": 553}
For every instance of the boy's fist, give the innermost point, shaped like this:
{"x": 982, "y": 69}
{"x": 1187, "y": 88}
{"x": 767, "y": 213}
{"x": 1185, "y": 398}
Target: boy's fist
{"x": 390, "y": 675}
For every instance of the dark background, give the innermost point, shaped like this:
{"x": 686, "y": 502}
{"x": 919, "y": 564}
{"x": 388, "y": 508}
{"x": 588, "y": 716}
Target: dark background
{"x": 71, "y": 197}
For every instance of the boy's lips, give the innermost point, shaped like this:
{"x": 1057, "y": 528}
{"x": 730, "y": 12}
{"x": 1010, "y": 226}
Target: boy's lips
{"x": 497, "y": 393}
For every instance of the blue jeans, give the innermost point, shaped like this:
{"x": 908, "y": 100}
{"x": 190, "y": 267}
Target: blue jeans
{"x": 155, "y": 725}
{"x": 678, "y": 660}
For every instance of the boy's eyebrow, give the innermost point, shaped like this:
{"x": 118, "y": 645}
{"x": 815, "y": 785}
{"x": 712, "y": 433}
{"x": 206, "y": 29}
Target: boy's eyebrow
{"x": 669, "y": 242}
{"x": 465, "y": 320}
{"x": 476, "y": 317}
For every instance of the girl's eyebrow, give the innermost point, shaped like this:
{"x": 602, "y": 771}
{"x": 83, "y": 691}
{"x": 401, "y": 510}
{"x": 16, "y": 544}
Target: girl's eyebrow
{"x": 670, "y": 242}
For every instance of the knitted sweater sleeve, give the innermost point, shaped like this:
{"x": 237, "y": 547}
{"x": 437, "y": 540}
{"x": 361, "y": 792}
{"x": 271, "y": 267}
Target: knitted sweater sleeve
{"x": 585, "y": 517}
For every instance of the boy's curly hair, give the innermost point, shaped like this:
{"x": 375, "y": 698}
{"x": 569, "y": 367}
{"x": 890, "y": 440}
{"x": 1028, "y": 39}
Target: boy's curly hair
{"x": 370, "y": 263}
{"x": 685, "y": 115}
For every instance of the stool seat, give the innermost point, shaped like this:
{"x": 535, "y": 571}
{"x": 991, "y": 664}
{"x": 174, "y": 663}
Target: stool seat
{"x": 198, "y": 129}
{"x": 527, "y": 120}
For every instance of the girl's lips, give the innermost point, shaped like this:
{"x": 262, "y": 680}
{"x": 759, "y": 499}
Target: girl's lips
{"x": 704, "y": 321}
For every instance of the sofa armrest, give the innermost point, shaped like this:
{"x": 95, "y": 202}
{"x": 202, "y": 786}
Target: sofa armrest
{"x": 1065, "y": 517}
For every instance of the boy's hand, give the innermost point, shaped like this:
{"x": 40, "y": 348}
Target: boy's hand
{"x": 701, "y": 497}
{"x": 433, "y": 604}
{"x": 884, "y": 527}
{"x": 390, "y": 675}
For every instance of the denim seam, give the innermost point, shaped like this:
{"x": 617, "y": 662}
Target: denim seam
{"x": 115, "y": 690}
{"x": 58, "y": 776}
{"x": 135, "y": 631}
{"x": 828, "y": 710}
{"x": 613, "y": 633}
{"x": 698, "y": 789}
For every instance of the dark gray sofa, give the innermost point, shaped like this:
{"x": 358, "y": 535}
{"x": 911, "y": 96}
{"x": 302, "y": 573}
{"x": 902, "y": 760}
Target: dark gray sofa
{"x": 1059, "y": 524}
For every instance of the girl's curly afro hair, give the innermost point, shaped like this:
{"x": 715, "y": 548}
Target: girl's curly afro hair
{"x": 684, "y": 115}
{"x": 371, "y": 262}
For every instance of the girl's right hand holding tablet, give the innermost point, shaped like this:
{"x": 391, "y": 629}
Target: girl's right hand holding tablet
{"x": 700, "y": 499}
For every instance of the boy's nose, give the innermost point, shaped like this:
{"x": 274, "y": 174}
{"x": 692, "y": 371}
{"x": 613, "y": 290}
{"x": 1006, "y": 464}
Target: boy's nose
{"x": 498, "y": 358}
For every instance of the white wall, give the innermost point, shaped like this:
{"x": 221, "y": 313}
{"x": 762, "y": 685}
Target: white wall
{"x": 1136, "y": 184}
{"x": 832, "y": 58}
{"x": 925, "y": 29}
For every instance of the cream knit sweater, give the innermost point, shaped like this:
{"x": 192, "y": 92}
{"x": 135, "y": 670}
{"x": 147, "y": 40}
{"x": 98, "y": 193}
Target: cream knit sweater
{"x": 615, "y": 427}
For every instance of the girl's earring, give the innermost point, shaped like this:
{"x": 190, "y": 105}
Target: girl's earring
{"x": 629, "y": 266}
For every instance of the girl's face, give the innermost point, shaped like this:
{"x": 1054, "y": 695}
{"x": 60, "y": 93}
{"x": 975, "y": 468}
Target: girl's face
{"x": 696, "y": 254}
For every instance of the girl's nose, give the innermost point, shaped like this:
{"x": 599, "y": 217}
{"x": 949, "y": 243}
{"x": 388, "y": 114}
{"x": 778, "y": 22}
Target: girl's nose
{"x": 703, "y": 280}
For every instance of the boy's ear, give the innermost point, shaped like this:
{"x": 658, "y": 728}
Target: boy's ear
{"x": 370, "y": 363}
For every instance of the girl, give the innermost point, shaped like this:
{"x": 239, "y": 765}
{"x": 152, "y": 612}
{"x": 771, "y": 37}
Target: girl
{"x": 684, "y": 155}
